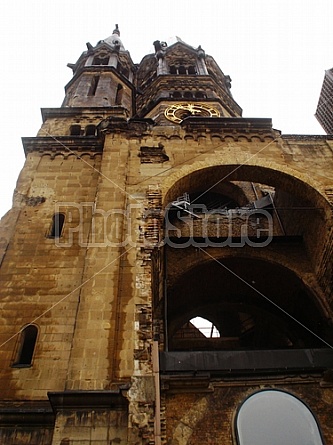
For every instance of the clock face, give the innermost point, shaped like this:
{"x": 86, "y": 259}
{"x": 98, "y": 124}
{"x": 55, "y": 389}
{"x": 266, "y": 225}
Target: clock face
{"x": 178, "y": 112}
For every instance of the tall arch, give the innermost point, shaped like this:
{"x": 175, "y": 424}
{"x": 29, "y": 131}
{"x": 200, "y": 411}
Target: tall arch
{"x": 256, "y": 298}
{"x": 300, "y": 205}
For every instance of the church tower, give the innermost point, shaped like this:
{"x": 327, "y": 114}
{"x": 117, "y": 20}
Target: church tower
{"x": 166, "y": 268}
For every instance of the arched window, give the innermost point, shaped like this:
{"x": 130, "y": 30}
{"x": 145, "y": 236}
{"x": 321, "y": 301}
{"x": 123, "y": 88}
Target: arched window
{"x": 101, "y": 60}
{"x": 119, "y": 94}
{"x": 206, "y": 327}
{"x": 26, "y": 347}
{"x": 200, "y": 95}
{"x": 276, "y": 418}
{"x": 176, "y": 95}
{"x": 173, "y": 69}
{"x": 182, "y": 69}
{"x": 188, "y": 95}
{"x": 191, "y": 70}
{"x": 90, "y": 130}
{"x": 57, "y": 225}
{"x": 75, "y": 130}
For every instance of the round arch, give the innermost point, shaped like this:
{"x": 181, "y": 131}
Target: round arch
{"x": 198, "y": 174}
{"x": 276, "y": 417}
{"x": 297, "y": 265}
{"x": 254, "y": 304}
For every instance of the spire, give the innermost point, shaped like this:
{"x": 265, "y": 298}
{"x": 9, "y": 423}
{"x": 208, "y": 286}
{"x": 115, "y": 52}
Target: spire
{"x": 114, "y": 40}
{"x": 116, "y": 30}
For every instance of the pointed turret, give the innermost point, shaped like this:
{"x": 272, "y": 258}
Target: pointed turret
{"x": 102, "y": 76}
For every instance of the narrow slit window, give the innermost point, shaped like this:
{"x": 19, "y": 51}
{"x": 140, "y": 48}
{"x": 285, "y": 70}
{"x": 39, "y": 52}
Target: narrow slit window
{"x": 57, "y": 225}
{"x": 93, "y": 86}
{"x": 26, "y": 346}
{"x": 119, "y": 94}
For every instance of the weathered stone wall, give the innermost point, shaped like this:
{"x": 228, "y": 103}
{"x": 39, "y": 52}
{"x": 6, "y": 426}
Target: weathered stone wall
{"x": 41, "y": 276}
{"x": 91, "y": 295}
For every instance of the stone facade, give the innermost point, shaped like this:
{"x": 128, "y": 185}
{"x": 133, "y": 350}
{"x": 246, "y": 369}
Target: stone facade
{"x": 145, "y": 201}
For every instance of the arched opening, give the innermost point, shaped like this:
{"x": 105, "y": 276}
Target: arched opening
{"x": 188, "y": 95}
{"x": 101, "y": 60}
{"x": 276, "y": 417}
{"x": 176, "y": 95}
{"x": 26, "y": 346}
{"x": 90, "y": 130}
{"x": 197, "y": 330}
{"x": 75, "y": 130}
{"x": 254, "y": 305}
{"x": 297, "y": 209}
{"x": 255, "y": 295}
{"x": 200, "y": 95}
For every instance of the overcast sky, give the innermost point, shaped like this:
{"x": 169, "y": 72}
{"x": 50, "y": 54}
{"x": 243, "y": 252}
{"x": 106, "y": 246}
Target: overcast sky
{"x": 276, "y": 52}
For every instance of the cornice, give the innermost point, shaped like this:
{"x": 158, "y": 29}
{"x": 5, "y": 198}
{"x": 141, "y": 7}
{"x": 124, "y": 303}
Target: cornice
{"x": 65, "y": 112}
{"x": 227, "y": 124}
{"x": 63, "y": 144}
{"x": 87, "y": 399}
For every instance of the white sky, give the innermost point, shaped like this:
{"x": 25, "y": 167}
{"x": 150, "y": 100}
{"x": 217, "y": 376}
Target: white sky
{"x": 276, "y": 52}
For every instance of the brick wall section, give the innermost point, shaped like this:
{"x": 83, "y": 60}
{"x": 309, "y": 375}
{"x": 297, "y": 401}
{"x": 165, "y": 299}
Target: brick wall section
{"x": 194, "y": 419}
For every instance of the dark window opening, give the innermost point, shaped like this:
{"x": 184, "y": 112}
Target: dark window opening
{"x": 125, "y": 72}
{"x": 90, "y": 130}
{"x": 188, "y": 95}
{"x": 93, "y": 86}
{"x": 100, "y": 60}
{"x": 75, "y": 130}
{"x": 26, "y": 347}
{"x": 200, "y": 95}
{"x": 176, "y": 95}
{"x": 182, "y": 69}
{"x": 57, "y": 225}
{"x": 119, "y": 94}
{"x": 122, "y": 70}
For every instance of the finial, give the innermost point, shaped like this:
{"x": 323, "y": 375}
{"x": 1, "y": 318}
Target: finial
{"x": 116, "y": 30}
